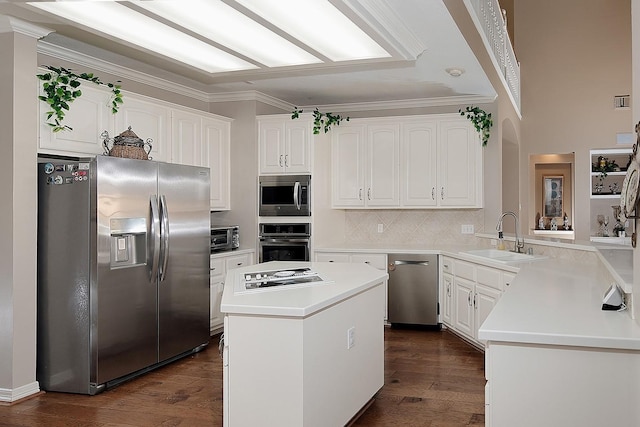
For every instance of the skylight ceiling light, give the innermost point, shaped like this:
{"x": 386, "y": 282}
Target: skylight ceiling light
{"x": 226, "y": 26}
{"x": 123, "y": 23}
{"x": 319, "y": 25}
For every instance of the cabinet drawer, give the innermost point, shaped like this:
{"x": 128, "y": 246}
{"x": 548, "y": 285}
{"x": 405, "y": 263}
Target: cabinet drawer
{"x": 465, "y": 270}
{"x": 489, "y": 277}
{"x": 237, "y": 261}
{"x": 332, "y": 257}
{"x": 378, "y": 261}
{"x": 216, "y": 265}
{"x": 447, "y": 265}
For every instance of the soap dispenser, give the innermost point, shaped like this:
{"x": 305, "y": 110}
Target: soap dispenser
{"x": 500, "y": 241}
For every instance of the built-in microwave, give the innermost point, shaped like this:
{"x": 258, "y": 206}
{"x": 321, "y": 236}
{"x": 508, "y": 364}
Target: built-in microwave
{"x": 284, "y": 195}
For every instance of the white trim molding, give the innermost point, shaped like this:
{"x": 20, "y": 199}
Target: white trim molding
{"x": 9, "y": 24}
{"x": 13, "y": 395}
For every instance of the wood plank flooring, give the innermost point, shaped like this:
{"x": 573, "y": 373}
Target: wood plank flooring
{"x": 432, "y": 378}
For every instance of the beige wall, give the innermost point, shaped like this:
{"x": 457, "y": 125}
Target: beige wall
{"x": 575, "y": 56}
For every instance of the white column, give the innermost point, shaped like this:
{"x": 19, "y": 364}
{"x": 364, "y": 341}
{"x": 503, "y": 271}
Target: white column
{"x": 18, "y": 211}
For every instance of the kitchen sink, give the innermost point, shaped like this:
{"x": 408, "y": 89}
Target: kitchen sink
{"x": 504, "y": 257}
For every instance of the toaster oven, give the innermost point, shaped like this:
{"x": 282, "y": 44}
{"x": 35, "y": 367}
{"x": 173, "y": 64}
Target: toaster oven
{"x": 224, "y": 237}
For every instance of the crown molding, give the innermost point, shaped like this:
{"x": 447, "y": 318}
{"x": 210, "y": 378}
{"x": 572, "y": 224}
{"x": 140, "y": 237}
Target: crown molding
{"x": 65, "y": 54}
{"x": 251, "y": 95}
{"x": 408, "y": 103}
{"x": 9, "y": 24}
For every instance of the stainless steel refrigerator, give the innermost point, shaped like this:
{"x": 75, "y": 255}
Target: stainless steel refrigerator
{"x": 123, "y": 269}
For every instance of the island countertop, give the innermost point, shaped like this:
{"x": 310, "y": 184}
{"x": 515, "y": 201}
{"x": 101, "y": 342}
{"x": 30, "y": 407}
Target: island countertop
{"x": 559, "y": 304}
{"x": 340, "y": 282}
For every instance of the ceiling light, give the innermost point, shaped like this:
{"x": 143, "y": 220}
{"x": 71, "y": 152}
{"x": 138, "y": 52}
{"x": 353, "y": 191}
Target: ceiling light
{"x": 123, "y": 23}
{"x": 455, "y": 72}
{"x": 319, "y": 25}
{"x": 226, "y": 26}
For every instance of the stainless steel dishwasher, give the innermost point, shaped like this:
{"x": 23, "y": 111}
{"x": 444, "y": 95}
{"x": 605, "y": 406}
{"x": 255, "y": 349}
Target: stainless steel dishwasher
{"x": 413, "y": 289}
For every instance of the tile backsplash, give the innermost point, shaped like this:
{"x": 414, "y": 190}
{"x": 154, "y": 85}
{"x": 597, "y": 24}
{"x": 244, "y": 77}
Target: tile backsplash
{"x": 413, "y": 226}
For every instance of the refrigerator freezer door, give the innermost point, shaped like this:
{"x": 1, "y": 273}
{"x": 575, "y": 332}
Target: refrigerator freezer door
{"x": 124, "y": 310}
{"x": 183, "y": 292}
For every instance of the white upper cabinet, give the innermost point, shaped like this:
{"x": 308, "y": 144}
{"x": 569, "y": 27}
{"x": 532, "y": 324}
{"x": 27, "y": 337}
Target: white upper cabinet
{"x": 199, "y": 140}
{"x": 409, "y": 162}
{"x": 88, "y": 116}
{"x": 459, "y": 164}
{"x": 285, "y": 145}
{"x": 149, "y": 121}
{"x": 365, "y": 164}
{"x": 419, "y": 157}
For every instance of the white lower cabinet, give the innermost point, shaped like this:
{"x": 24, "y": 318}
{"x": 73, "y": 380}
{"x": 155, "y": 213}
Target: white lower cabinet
{"x": 468, "y": 294}
{"x": 219, "y": 264}
{"x": 376, "y": 260}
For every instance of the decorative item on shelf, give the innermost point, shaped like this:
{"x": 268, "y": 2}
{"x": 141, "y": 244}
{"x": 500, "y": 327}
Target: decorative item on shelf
{"x": 62, "y": 86}
{"x": 481, "y": 120}
{"x": 127, "y": 145}
{"x": 614, "y": 188}
{"x": 539, "y": 221}
{"x": 554, "y": 224}
{"x": 597, "y": 188}
{"x": 565, "y": 222}
{"x": 321, "y": 120}
{"x": 604, "y": 166}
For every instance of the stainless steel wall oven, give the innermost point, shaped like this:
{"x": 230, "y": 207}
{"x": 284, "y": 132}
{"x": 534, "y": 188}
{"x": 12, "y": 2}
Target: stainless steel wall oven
{"x": 284, "y": 242}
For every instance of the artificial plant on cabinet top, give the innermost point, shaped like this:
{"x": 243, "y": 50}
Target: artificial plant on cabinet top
{"x": 61, "y": 86}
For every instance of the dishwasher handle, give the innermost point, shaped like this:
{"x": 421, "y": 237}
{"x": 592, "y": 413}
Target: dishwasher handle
{"x": 392, "y": 266}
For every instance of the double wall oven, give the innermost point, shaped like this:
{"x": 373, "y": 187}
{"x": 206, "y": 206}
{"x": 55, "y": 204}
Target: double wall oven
{"x": 284, "y": 241}
{"x": 284, "y": 208}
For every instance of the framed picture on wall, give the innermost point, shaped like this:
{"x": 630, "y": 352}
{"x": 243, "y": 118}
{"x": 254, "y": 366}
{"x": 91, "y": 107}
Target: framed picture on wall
{"x": 552, "y": 196}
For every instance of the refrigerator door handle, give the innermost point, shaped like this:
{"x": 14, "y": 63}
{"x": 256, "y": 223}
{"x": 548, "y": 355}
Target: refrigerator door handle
{"x": 155, "y": 237}
{"x": 164, "y": 236}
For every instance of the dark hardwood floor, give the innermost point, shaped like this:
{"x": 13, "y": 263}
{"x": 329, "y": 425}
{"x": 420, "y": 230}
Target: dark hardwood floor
{"x": 432, "y": 378}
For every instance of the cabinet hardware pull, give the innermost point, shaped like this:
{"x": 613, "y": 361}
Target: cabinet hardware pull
{"x": 286, "y": 160}
{"x": 433, "y": 193}
{"x": 360, "y": 194}
{"x": 280, "y": 161}
{"x": 369, "y": 193}
{"x": 442, "y": 193}
{"x": 469, "y": 299}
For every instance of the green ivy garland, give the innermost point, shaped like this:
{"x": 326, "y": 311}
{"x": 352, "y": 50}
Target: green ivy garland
{"x": 62, "y": 86}
{"x": 321, "y": 120}
{"x": 481, "y": 121}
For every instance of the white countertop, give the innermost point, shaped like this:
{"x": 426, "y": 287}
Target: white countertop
{"x": 342, "y": 281}
{"x": 559, "y": 304}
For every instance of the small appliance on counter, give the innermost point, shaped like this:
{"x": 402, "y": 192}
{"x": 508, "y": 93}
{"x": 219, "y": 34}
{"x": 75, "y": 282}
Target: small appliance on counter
{"x": 224, "y": 238}
{"x": 613, "y": 299}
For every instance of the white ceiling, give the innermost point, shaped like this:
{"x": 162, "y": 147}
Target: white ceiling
{"x": 421, "y": 36}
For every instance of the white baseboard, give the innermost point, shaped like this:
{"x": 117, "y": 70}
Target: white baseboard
{"x": 12, "y": 395}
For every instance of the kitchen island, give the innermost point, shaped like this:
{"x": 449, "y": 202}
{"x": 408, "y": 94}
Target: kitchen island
{"x": 304, "y": 354}
{"x": 555, "y": 358}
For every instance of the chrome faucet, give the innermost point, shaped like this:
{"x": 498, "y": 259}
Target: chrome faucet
{"x": 519, "y": 244}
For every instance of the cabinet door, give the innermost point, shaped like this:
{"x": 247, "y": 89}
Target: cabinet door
{"x": 297, "y": 152}
{"x": 463, "y": 311}
{"x": 186, "y": 138}
{"x": 383, "y": 165}
{"x": 148, "y": 121}
{"x": 216, "y": 318}
{"x": 447, "y": 296}
{"x": 271, "y": 137}
{"x": 347, "y": 166}
{"x": 485, "y": 299}
{"x": 215, "y": 155}
{"x": 460, "y": 165}
{"x": 419, "y": 151}
{"x": 88, "y": 116}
